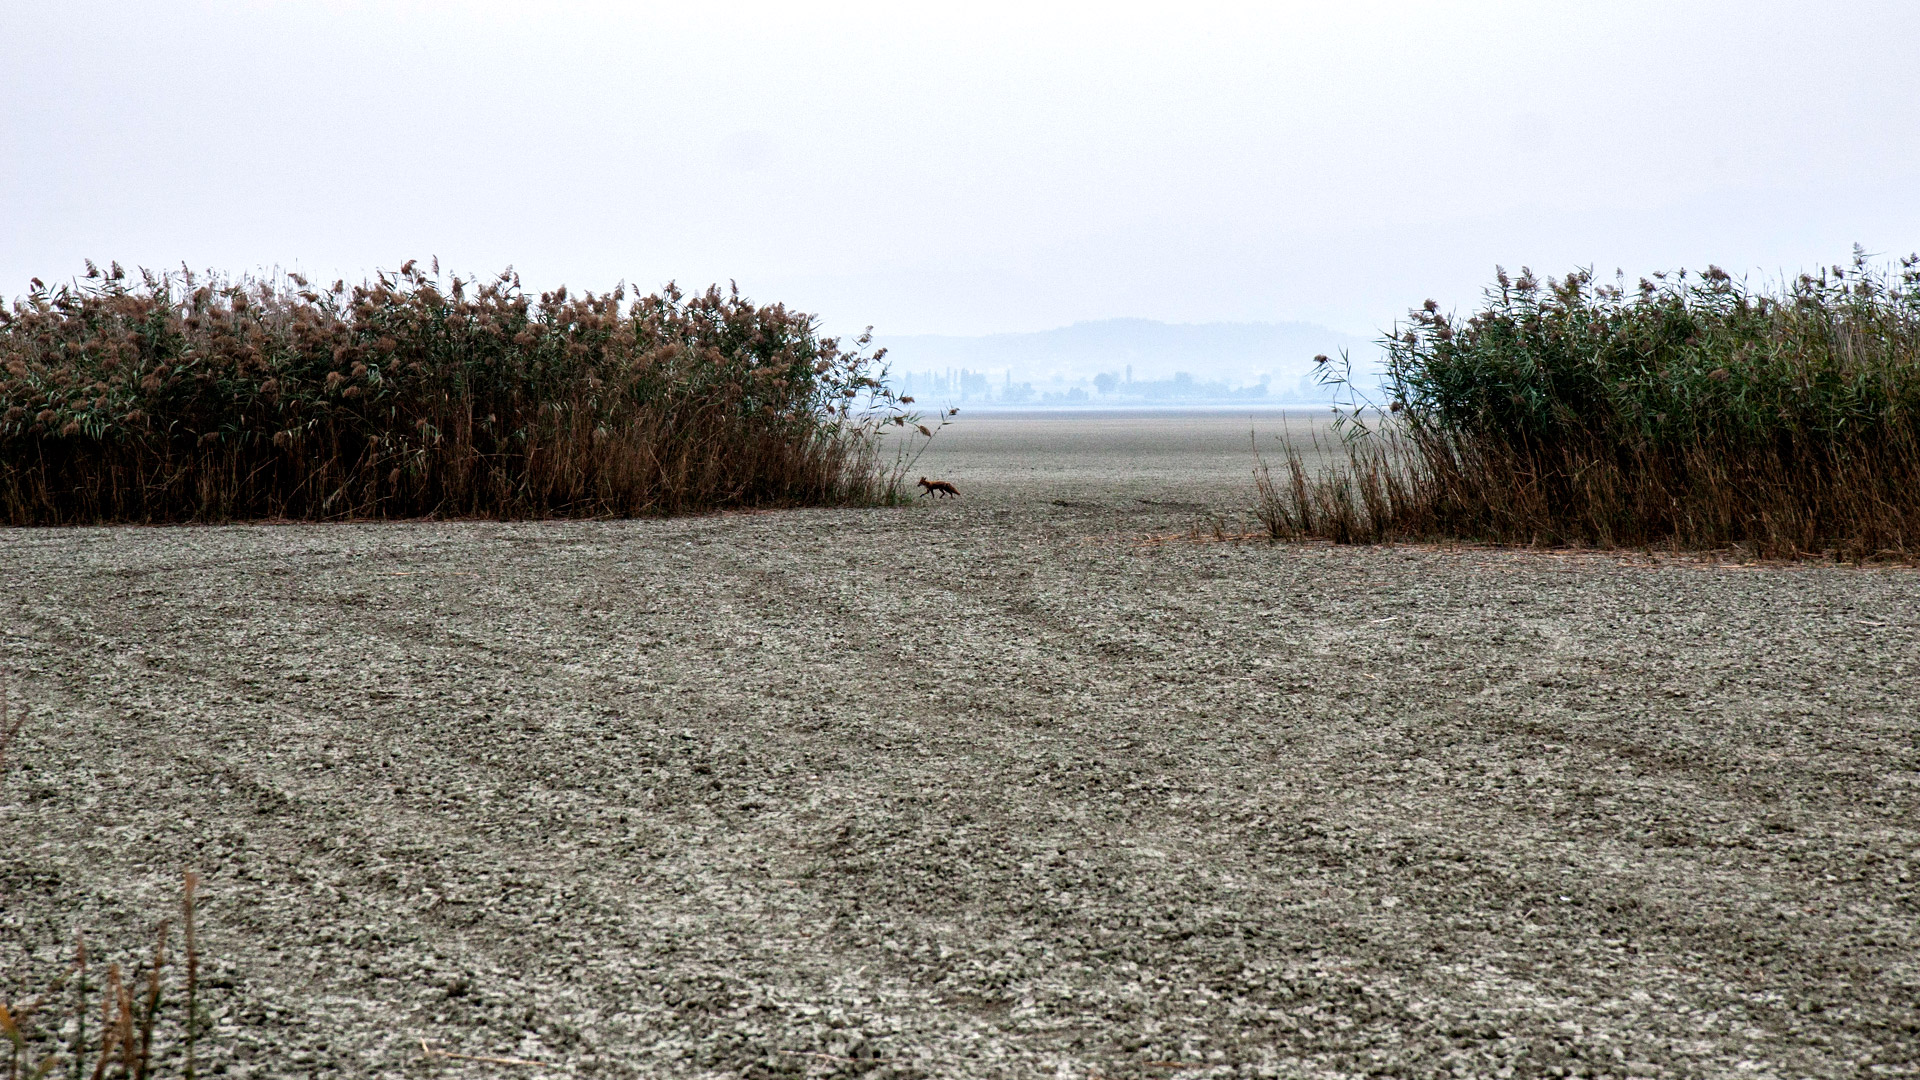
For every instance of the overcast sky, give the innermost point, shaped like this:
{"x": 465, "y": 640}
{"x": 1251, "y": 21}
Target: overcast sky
{"x": 980, "y": 168}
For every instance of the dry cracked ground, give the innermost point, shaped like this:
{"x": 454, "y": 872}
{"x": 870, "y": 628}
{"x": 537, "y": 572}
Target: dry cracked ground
{"x": 985, "y": 787}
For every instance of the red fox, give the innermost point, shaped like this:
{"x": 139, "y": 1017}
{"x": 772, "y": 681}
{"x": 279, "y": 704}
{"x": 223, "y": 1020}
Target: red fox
{"x": 940, "y": 486}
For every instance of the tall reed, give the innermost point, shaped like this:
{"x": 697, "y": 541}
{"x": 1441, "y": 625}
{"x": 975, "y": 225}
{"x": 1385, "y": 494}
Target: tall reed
{"x": 1691, "y": 411}
{"x": 178, "y": 398}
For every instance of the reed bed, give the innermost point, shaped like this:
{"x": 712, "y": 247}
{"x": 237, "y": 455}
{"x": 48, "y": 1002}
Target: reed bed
{"x": 172, "y": 398}
{"x": 1691, "y": 412}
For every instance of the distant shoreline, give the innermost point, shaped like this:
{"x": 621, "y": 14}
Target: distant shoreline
{"x": 1268, "y": 408}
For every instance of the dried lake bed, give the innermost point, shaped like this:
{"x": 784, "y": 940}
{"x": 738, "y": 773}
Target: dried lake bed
{"x": 983, "y": 787}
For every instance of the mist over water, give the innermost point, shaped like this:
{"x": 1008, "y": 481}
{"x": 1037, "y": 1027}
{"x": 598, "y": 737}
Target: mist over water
{"x": 1125, "y": 362}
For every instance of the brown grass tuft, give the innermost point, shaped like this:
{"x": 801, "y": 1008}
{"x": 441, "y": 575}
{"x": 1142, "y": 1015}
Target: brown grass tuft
{"x": 132, "y": 1008}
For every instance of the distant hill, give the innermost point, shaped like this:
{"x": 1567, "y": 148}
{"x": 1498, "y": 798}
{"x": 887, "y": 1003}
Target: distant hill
{"x": 1147, "y": 361}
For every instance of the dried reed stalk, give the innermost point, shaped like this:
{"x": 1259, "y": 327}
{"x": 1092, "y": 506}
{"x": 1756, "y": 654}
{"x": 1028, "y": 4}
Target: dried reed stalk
{"x": 188, "y": 886}
{"x": 152, "y": 1006}
{"x": 112, "y": 994}
{"x": 80, "y": 1004}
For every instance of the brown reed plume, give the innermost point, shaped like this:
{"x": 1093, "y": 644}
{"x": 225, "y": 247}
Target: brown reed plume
{"x": 178, "y": 398}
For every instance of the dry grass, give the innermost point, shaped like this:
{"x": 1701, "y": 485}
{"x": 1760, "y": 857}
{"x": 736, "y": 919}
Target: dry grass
{"x": 1380, "y": 495}
{"x": 181, "y": 399}
{"x": 120, "y": 1023}
{"x": 134, "y": 1024}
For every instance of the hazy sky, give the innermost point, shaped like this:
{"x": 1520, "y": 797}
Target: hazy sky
{"x": 968, "y": 169}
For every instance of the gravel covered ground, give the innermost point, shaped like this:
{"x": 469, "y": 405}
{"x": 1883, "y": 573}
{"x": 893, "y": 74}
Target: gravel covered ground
{"x": 984, "y": 787}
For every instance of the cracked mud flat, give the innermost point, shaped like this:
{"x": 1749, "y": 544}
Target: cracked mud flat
{"x": 982, "y": 788}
